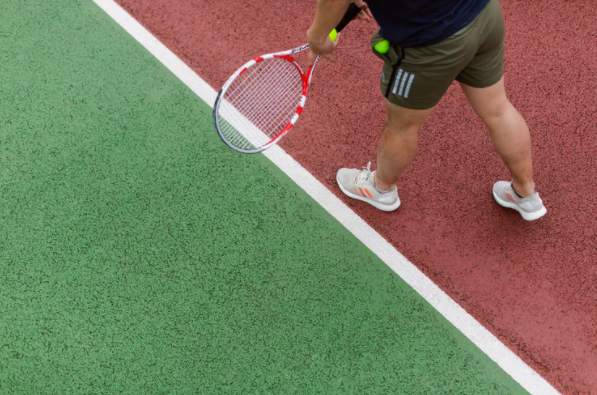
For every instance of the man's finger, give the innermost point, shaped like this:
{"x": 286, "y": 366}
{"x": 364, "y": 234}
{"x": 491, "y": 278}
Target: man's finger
{"x": 365, "y": 14}
{"x": 335, "y": 43}
{"x": 362, "y": 16}
{"x": 311, "y": 57}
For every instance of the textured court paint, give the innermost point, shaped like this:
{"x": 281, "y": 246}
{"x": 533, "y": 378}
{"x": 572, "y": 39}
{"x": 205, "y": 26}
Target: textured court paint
{"x": 139, "y": 255}
{"x": 533, "y": 285}
{"x": 478, "y": 334}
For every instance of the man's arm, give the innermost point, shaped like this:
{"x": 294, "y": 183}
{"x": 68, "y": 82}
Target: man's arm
{"x": 328, "y": 15}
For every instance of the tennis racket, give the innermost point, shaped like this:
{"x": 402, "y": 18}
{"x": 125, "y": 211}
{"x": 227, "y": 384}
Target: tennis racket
{"x": 264, "y": 98}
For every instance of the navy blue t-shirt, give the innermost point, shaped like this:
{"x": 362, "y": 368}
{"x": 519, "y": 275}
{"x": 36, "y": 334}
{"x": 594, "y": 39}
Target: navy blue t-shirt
{"x": 419, "y": 23}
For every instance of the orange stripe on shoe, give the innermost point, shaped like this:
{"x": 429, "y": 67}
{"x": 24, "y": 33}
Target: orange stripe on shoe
{"x": 368, "y": 193}
{"x": 511, "y": 198}
{"x": 356, "y": 190}
{"x": 362, "y": 193}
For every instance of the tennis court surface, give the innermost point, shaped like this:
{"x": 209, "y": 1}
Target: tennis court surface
{"x": 140, "y": 255}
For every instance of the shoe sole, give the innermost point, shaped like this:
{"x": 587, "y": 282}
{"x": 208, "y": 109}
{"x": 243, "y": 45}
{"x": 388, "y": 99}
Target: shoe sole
{"x": 379, "y": 206}
{"x": 526, "y": 215}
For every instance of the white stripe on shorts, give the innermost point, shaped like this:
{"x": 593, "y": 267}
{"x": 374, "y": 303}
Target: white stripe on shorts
{"x": 396, "y": 81}
{"x": 402, "y": 84}
{"x": 410, "y": 81}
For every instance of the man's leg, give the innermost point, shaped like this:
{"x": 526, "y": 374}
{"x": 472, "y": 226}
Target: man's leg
{"x": 397, "y": 148}
{"x": 509, "y": 132}
{"x": 398, "y": 143}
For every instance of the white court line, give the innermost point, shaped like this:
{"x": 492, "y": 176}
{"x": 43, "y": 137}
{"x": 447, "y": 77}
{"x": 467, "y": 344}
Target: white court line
{"x": 471, "y": 328}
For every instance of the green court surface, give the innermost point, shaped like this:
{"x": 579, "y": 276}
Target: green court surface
{"x": 139, "y": 255}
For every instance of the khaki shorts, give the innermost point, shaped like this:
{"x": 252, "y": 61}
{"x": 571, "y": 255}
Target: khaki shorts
{"x": 417, "y": 78}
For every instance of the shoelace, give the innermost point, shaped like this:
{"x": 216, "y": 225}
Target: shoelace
{"x": 362, "y": 176}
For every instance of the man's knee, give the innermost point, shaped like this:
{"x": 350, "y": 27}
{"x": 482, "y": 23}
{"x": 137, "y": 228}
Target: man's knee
{"x": 495, "y": 111}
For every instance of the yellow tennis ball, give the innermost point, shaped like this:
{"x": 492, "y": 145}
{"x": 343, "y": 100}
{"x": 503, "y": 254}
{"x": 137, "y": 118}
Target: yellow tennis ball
{"x": 334, "y": 35}
{"x": 382, "y": 46}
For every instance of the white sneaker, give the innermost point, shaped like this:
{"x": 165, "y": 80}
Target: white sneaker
{"x": 360, "y": 185}
{"x": 530, "y": 207}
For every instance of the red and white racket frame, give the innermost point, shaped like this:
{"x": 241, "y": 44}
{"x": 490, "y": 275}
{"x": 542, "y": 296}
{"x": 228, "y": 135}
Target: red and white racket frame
{"x": 306, "y": 77}
{"x": 352, "y": 11}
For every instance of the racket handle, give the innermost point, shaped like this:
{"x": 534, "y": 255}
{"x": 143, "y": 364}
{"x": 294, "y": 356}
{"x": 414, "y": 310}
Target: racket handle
{"x": 352, "y": 11}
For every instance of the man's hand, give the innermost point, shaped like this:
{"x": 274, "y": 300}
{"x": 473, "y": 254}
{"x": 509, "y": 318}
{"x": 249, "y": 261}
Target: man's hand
{"x": 365, "y": 14}
{"x": 329, "y": 13}
{"x": 322, "y": 47}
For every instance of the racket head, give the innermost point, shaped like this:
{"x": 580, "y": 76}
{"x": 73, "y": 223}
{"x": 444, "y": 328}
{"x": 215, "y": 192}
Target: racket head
{"x": 260, "y": 103}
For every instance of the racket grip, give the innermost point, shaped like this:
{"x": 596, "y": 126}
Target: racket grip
{"x": 352, "y": 11}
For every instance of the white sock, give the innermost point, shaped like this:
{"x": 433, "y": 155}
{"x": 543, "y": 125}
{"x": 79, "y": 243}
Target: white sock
{"x": 379, "y": 190}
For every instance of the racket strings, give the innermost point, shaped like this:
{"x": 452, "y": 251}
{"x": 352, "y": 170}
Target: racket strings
{"x": 260, "y": 103}
{"x": 268, "y": 87}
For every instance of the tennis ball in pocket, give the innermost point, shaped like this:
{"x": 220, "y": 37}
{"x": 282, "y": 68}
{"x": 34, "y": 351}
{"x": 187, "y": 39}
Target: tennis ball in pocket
{"x": 382, "y": 46}
{"x": 334, "y": 35}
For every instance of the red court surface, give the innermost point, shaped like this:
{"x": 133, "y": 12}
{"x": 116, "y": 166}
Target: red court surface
{"x": 534, "y": 285}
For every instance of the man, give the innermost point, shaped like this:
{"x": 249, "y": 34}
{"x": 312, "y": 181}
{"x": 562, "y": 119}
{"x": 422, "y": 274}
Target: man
{"x": 433, "y": 43}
